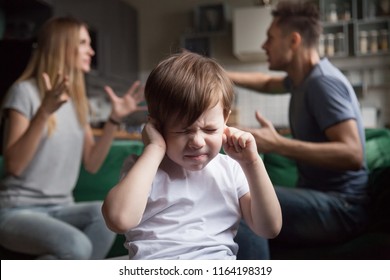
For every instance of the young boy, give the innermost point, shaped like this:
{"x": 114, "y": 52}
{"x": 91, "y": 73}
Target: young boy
{"x": 181, "y": 198}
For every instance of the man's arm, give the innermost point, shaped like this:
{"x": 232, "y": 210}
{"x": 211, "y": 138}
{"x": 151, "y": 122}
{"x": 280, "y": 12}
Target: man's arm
{"x": 343, "y": 151}
{"x": 258, "y": 81}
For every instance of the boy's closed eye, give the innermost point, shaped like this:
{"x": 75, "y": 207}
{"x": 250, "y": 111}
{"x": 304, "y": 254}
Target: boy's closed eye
{"x": 208, "y": 130}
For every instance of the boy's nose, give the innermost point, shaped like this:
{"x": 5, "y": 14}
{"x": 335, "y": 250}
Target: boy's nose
{"x": 197, "y": 141}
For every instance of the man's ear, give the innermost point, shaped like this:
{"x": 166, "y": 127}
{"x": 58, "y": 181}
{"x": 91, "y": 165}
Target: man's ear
{"x": 296, "y": 40}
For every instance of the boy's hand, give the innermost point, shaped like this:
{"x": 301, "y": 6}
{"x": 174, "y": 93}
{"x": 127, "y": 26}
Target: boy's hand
{"x": 150, "y": 135}
{"x": 239, "y": 145}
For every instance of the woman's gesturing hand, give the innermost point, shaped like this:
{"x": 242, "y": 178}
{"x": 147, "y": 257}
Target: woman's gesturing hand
{"x": 56, "y": 94}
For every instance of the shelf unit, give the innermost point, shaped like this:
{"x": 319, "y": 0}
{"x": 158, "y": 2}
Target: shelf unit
{"x": 362, "y": 25}
{"x": 209, "y": 21}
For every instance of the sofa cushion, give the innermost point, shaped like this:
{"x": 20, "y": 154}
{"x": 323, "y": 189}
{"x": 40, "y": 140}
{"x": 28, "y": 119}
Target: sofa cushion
{"x": 377, "y": 148}
{"x": 281, "y": 170}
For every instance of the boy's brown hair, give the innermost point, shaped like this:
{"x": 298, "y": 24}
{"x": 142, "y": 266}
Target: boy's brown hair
{"x": 184, "y": 86}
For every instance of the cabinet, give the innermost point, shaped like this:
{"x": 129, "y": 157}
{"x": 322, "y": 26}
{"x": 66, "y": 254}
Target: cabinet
{"x": 208, "y": 21}
{"x": 354, "y": 27}
{"x": 250, "y": 26}
{"x": 19, "y": 23}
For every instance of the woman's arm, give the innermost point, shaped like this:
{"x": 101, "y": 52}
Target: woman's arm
{"x": 95, "y": 152}
{"x": 21, "y": 139}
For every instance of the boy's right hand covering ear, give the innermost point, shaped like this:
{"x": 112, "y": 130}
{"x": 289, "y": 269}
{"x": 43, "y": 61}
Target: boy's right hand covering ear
{"x": 152, "y": 135}
{"x": 56, "y": 94}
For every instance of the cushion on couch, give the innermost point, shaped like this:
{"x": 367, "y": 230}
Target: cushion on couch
{"x": 281, "y": 170}
{"x": 377, "y": 148}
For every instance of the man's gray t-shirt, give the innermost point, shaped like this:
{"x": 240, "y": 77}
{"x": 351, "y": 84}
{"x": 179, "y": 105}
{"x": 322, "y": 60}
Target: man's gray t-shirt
{"x": 52, "y": 174}
{"x": 324, "y": 99}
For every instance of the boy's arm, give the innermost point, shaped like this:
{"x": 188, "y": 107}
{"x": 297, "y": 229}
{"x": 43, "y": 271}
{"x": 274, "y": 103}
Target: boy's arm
{"x": 260, "y": 207}
{"x": 125, "y": 203}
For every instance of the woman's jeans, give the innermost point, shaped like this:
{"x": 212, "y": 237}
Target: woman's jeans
{"x": 310, "y": 218}
{"x": 75, "y": 231}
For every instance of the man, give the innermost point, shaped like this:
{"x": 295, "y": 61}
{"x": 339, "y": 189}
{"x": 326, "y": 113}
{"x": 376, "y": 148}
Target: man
{"x": 329, "y": 203}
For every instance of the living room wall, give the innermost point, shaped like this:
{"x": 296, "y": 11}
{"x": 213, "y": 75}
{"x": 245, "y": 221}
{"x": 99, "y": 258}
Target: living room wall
{"x": 162, "y": 23}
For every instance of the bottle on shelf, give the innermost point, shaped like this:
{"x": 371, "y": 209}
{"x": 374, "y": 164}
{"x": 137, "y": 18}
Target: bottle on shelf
{"x": 384, "y": 40}
{"x": 321, "y": 45}
{"x": 332, "y": 15}
{"x": 373, "y": 41}
{"x": 329, "y": 45}
{"x": 363, "y": 42}
{"x": 340, "y": 43}
{"x": 384, "y": 7}
{"x": 346, "y": 15}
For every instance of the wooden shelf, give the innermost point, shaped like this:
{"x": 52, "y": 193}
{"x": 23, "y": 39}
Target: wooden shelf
{"x": 120, "y": 134}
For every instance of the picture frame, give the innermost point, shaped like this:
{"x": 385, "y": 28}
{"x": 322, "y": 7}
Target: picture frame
{"x": 210, "y": 18}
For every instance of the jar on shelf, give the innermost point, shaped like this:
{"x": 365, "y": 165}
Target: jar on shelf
{"x": 384, "y": 40}
{"x": 332, "y": 14}
{"x": 321, "y": 45}
{"x": 346, "y": 15}
{"x": 384, "y": 8}
{"x": 373, "y": 41}
{"x": 340, "y": 43}
{"x": 329, "y": 50}
{"x": 363, "y": 42}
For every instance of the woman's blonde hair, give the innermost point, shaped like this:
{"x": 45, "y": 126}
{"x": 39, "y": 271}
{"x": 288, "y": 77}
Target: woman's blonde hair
{"x": 184, "y": 86}
{"x": 56, "y": 52}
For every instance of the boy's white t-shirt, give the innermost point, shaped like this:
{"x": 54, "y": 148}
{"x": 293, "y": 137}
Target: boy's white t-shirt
{"x": 191, "y": 214}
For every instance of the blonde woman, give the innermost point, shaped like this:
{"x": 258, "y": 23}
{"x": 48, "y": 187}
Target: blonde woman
{"x": 47, "y": 137}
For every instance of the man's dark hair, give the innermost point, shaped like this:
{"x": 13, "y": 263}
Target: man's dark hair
{"x": 299, "y": 16}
